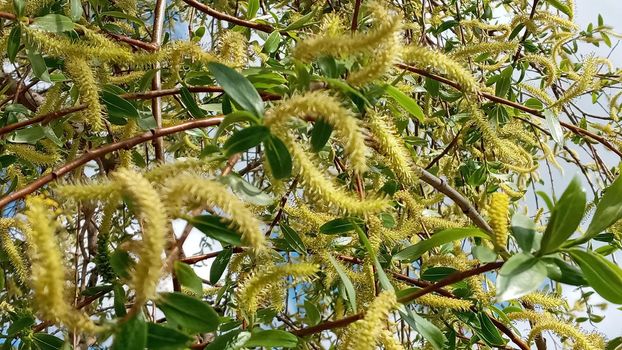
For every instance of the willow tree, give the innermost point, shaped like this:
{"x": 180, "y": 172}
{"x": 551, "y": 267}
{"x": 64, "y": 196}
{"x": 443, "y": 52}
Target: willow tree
{"x": 363, "y": 174}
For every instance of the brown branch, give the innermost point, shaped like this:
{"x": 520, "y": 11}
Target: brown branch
{"x": 231, "y": 19}
{"x": 156, "y": 83}
{"x": 451, "y": 279}
{"x": 575, "y": 129}
{"x": 355, "y": 15}
{"x": 101, "y": 151}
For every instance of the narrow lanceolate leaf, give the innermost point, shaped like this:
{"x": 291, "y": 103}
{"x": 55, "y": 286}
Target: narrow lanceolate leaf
{"x": 217, "y": 228}
{"x": 131, "y": 335}
{"x": 12, "y": 45}
{"x": 427, "y": 329}
{"x": 160, "y": 337}
{"x": 407, "y": 102}
{"x": 340, "y": 225}
{"x": 293, "y": 239}
{"x": 190, "y": 103}
{"x": 44, "y": 341}
{"x": 188, "y": 278}
{"x": 238, "y": 88}
{"x": 219, "y": 265}
{"x": 190, "y": 313}
{"x": 520, "y": 275}
{"x": 453, "y": 234}
{"x": 349, "y": 287}
{"x": 565, "y": 218}
{"x": 608, "y": 210}
{"x": 37, "y": 63}
{"x": 278, "y": 157}
{"x": 272, "y": 338}
{"x": 561, "y": 6}
{"x": 117, "y": 106}
{"x": 320, "y": 134}
{"x": 601, "y": 274}
{"x": 53, "y": 23}
{"x": 246, "y": 138}
{"x": 555, "y": 128}
{"x": 76, "y": 10}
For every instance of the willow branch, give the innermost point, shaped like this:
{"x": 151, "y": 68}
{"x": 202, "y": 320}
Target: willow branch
{"x": 90, "y": 155}
{"x": 575, "y": 129}
{"x": 451, "y": 279}
{"x": 156, "y": 83}
{"x": 228, "y": 18}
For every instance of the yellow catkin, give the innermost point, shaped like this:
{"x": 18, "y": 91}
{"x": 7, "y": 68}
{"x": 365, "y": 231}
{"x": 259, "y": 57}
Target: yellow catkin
{"x": 363, "y": 334}
{"x": 320, "y": 104}
{"x": 151, "y": 213}
{"x": 498, "y": 213}
{"x": 547, "y": 63}
{"x": 102, "y": 191}
{"x": 424, "y": 57}
{"x": 47, "y": 275}
{"x": 389, "y": 342}
{"x": 193, "y": 188}
{"x": 485, "y": 47}
{"x": 253, "y": 288}
{"x": 11, "y": 250}
{"x": 400, "y": 160}
{"x": 581, "y": 341}
{"x": 547, "y": 301}
{"x": 30, "y": 154}
{"x": 85, "y": 80}
{"x": 385, "y": 25}
{"x": 232, "y": 48}
{"x": 323, "y": 189}
{"x": 53, "y": 100}
{"x": 439, "y": 301}
{"x": 585, "y": 81}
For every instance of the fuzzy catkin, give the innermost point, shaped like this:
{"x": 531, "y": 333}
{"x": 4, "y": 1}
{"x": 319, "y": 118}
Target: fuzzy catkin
{"x": 194, "y": 188}
{"x": 79, "y": 69}
{"x": 151, "y": 213}
{"x": 363, "y": 334}
{"x": 47, "y": 270}
{"x": 320, "y": 104}
{"x": 498, "y": 213}
{"x": 11, "y": 250}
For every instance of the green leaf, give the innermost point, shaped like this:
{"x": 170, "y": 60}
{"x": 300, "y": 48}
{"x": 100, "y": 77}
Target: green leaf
{"x": 190, "y": 313}
{"x": 119, "y": 300}
{"x": 349, "y": 287}
{"x": 245, "y": 138}
{"x": 524, "y": 231}
{"x": 160, "y": 337}
{"x": 560, "y": 271}
{"x": 229, "y": 341}
{"x": 131, "y": 335}
{"x": 118, "y": 107}
{"x": 76, "y": 10}
{"x": 601, "y": 274}
{"x": 385, "y": 283}
{"x": 408, "y": 103}
{"x": 293, "y": 239}
{"x": 29, "y": 135}
{"x": 565, "y": 218}
{"x": 503, "y": 84}
{"x": 217, "y": 228}
{"x": 278, "y": 157}
{"x": 272, "y": 338}
{"x": 488, "y": 332}
{"x": 437, "y": 273}
{"x": 312, "y": 313}
{"x": 247, "y": 191}
{"x": 555, "y": 128}
{"x": 39, "y": 69}
{"x": 18, "y": 6}
{"x": 483, "y": 254}
{"x": 340, "y": 225}
{"x": 12, "y": 45}
{"x": 190, "y": 103}
{"x": 272, "y": 42}
{"x": 53, "y": 23}
{"x": 427, "y": 329}
{"x": 251, "y": 10}
{"x": 120, "y": 262}
{"x": 453, "y": 234}
{"x": 235, "y": 117}
{"x": 238, "y": 88}
{"x": 219, "y": 265}
{"x": 561, "y": 6}
{"x": 320, "y": 134}
{"x": 520, "y": 275}
{"x": 188, "y": 278}
{"x": 44, "y": 341}
{"x": 20, "y": 324}
{"x": 608, "y": 210}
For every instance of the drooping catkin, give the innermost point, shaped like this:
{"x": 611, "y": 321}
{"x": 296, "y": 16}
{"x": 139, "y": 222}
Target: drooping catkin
{"x": 498, "y": 213}
{"x": 192, "y": 188}
{"x": 82, "y": 75}
{"x": 363, "y": 334}
{"x": 11, "y": 250}
{"x": 320, "y": 104}
{"x": 148, "y": 208}
{"x": 253, "y": 288}
{"x": 47, "y": 270}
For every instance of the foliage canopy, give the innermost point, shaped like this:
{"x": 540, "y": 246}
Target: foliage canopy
{"x": 362, "y": 174}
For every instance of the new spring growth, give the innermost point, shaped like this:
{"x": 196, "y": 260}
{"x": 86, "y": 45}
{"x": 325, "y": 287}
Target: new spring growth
{"x": 192, "y": 188}
{"x": 320, "y": 104}
{"x": 11, "y": 250}
{"x": 48, "y": 271}
{"x": 363, "y": 334}
{"x": 498, "y": 213}
{"x": 145, "y": 201}
{"x": 252, "y": 290}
